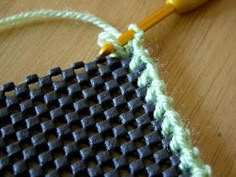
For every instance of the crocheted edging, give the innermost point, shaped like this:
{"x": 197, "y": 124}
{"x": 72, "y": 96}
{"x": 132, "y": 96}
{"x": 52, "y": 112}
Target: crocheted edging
{"x": 172, "y": 126}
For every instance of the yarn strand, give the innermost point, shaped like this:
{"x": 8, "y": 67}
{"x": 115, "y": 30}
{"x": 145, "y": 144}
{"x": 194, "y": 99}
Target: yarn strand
{"x": 31, "y": 15}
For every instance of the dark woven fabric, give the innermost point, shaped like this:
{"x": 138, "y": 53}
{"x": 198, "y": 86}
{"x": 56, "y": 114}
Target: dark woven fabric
{"x": 88, "y": 120}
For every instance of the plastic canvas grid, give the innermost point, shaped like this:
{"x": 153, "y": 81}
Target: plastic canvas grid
{"x": 88, "y": 120}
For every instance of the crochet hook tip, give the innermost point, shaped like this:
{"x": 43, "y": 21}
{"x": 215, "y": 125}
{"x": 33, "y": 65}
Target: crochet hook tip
{"x": 144, "y": 25}
{"x": 106, "y": 50}
{"x": 170, "y": 6}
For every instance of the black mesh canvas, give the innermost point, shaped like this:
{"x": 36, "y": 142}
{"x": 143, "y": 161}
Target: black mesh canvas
{"x": 88, "y": 120}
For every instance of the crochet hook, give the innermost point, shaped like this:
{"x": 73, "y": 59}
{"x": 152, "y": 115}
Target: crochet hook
{"x": 179, "y": 6}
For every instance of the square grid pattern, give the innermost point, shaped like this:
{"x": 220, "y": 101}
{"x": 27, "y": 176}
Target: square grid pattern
{"x": 88, "y": 120}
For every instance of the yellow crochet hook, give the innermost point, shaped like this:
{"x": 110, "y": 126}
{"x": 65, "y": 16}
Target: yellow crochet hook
{"x": 170, "y": 6}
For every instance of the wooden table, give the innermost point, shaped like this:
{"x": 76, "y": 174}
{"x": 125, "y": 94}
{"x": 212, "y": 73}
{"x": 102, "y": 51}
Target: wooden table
{"x": 196, "y": 55}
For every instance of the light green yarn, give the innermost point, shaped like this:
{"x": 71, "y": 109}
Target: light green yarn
{"x": 172, "y": 126}
{"x": 25, "y": 16}
{"x": 110, "y": 33}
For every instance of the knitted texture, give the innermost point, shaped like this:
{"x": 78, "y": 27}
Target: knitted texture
{"x": 171, "y": 126}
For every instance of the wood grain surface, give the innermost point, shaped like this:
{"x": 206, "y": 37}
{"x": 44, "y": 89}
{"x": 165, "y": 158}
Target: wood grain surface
{"x": 196, "y": 55}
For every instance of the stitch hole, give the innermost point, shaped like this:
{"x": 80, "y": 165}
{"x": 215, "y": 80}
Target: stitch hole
{"x": 65, "y": 171}
{"x": 79, "y": 70}
{"x": 17, "y": 157}
{"x": 52, "y": 135}
{"x": 33, "y": 86}
{"x": 99, "y": 148}
{"x": 100, "y": 89}
{"x": 44, "y": 117}
{"x": 92, "y": 163}
{"x": 29, "y": 112}
{"x": 115, "y": 153}
{"x": 57, "y": 153}
{"x": 124, "y": 171}
{"x": 92, "y": 101}
{"x": 9, "y": 140}
{"x": 68, "y": 109}
{"x": 115, "y": 122}
{"x": 123, "y": 109}
{"x": 146, "y": 130}
{"x": 67, "y": 139}
{"x": 32, "y": 162}
{"x": 138, "y": 112}
{"x": 59, "y": 122}
{"x": 91, "y": 131}
{"x": 84, "y": 113}
{"x": 47, "y": 88}
{"x": 62, "y": 93}
{"x": 35, "y": 130}
{"x": 108, "y": 134}
{"x": 108, "y": 166}
{"x": 123, "y": 80}
{"x": 132, "y": 157}
{"x": 123, "y": 139}
{"x": 156, "y": 147}
{"x": 165, "y": 164}
{"x": 41, "y": 148}
{"x": 149, "y": 161}
{"x": 38, "y": 101}
{"x": 10, "y": 94}
{"x": 74, "y": 157}
{"x": 20, "y": 125}
{"x": 49, "y": 167}
{"x": 25, "y": 143}
{"x": 107, "y": 105}
{"x": 75, "y": 125}
{"x": 53, "y": 105}
{"x": 107, "y": 77}
{"x": 115, "y": 92}
{"x": 14, "y": 109}
{"x": 139, "y": 143}
{"x": 57, "y": 78}
{"x": 85, "y": 85}
{"x": 130, "y": 126}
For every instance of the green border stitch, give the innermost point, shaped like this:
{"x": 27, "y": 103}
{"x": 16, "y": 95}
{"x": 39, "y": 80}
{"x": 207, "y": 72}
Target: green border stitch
{"x": 172, "y": 126}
